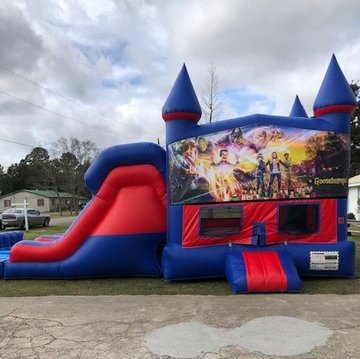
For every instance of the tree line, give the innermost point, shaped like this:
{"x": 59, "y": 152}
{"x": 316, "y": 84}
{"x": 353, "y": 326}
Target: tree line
{"x": 60, "y": 167}
{"x": 355, "y": 134}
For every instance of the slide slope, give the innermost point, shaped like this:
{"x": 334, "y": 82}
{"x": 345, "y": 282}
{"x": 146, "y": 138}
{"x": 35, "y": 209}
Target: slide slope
{"x": 119, "y": 233}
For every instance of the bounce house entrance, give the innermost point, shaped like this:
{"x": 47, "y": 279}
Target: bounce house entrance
{"x": 259, "y": 234}
{"x": 261, "y": 271}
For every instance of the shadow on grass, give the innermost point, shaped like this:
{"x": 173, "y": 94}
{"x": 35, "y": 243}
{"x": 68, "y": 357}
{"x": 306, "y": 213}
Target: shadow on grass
{"x": 331, "y": 286}
{"x": 110, "y": 286}
{"x": 154, "y": 286}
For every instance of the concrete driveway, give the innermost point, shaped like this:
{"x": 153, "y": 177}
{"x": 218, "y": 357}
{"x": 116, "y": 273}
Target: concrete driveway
{"x": 207, "y": 327}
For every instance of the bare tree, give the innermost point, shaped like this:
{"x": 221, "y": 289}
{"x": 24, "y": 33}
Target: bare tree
{"x": 73, "y": 159}
{"x": 211, "y": 97}
{"x": 44, "y": 172}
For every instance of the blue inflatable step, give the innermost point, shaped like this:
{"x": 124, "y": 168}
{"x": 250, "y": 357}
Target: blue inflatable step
{"x": 261, "y": 271}
{"x": 9, "y": 238}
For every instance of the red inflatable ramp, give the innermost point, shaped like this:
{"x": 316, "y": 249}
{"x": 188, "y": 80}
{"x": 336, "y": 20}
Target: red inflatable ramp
{"x": 262, "y": 271}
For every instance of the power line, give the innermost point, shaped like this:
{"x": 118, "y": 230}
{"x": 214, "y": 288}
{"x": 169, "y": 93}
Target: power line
{"x": 54, "y": 92}
{"x": 61, "y": 95}
{"x": 18, "y": 143}
{"x": 58, "y": 114}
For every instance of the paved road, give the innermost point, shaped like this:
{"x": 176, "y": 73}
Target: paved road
{"x": 61, "y": 220}
{"x": 206, "y": 327}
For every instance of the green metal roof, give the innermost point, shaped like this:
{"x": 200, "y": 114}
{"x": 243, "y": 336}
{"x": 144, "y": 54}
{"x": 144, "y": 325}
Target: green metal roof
{"x": 45, "y": 193}
{"x": 48, "y": 193}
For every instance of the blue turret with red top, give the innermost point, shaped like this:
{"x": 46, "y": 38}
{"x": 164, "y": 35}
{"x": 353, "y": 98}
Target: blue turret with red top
{"x": 181, "y": 110}
{"x": 335, "y": 101}
{"x": 297, "y": 109}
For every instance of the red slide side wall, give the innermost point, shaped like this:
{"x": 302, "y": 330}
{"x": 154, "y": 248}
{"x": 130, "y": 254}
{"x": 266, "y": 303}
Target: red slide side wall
{"x": 131, "y": 200}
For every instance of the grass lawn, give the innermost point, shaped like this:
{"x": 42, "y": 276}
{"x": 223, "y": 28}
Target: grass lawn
{"x": 41, "y": 231}
{"x": 147, "y": 286}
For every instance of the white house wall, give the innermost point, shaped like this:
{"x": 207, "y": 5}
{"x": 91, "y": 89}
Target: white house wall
{"x": 353, "y": 201}
{"x": 29, "y": 197}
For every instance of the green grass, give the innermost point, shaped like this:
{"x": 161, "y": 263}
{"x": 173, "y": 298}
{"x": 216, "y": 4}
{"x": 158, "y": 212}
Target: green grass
{"x": 110, "y": 286}
{"x": 41, "y": 231}
{"x": 148, "y": 286}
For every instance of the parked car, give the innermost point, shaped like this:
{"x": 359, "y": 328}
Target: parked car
{"x": 15, "y": 217}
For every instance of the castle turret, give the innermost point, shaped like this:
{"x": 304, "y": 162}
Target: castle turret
{"x": 181, "y": 110}
{"x": 335, "y": 101}
{"x": 297, "y": 109}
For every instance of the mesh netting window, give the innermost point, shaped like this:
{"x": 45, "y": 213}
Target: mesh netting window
{"x": 220, "y": 221}
{"x": 299, "y": 218}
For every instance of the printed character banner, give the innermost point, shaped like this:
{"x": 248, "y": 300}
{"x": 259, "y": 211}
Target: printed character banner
{"x": 259, "y": 163}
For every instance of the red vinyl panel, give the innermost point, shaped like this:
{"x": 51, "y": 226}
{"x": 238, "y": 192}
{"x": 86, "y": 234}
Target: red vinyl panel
{"x": 266, "y": 213}
{"x": 135, "y": 209}
{"x": 264, "y": 272}
{"x": 191, "y": 231}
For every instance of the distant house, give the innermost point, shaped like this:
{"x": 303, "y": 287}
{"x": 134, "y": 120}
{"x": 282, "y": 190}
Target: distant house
{"x": 354, "y": 196}
{"x": 41, "y": 200}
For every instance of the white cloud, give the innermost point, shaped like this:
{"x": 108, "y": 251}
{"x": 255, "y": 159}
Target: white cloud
{"x": 121, "y": 57}
{"x": 279, "y": 49}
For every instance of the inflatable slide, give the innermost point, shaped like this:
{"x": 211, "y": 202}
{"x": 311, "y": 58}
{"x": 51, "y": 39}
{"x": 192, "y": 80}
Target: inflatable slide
{"x": 121, "y": 232}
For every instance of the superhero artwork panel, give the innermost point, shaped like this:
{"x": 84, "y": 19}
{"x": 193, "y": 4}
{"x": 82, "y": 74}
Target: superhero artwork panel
{"x": 259, "y": 163}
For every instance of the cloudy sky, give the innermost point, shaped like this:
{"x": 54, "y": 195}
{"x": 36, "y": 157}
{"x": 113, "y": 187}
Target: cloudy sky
{"x": 101, "y": 70}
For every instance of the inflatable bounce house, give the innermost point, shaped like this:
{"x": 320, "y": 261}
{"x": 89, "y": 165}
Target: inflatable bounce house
{"x": 260, "y": 200}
